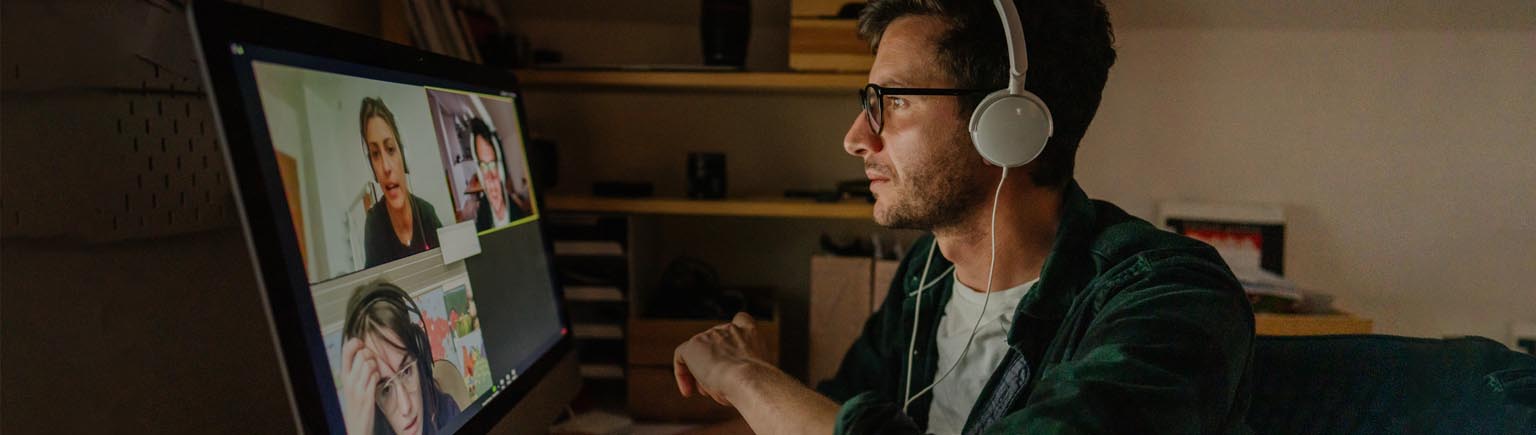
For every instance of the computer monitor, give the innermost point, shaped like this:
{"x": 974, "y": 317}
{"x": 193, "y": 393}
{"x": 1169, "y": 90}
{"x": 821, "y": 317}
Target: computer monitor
{"x": 398, "y": 242}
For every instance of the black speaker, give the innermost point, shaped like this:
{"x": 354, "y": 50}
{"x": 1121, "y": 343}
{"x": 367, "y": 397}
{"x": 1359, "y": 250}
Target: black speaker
{"x": 706, "y": 175}
{"x": 544, "y": 157}
{"x": 724, "y": 27}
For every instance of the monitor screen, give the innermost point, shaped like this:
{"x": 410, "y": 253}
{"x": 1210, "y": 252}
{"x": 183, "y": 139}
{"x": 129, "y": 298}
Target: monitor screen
{"x": 425, "y": 291}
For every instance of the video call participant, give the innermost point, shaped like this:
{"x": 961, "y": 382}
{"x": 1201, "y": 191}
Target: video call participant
{"x": 494, "y": 208}
{"x": 386, "y": 377}
{"x": 405, "y": 224}
{"x": 1104, "y": 323}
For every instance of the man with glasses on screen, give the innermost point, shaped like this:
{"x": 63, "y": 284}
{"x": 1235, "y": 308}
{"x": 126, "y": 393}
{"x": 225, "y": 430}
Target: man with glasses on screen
{"x": 1095, "y": 321}
{"x": 495, "y": 209}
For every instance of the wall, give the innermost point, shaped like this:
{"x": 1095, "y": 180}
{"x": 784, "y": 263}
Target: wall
{"x": 155, "y": 325}
{"x": 1399, "y": 135}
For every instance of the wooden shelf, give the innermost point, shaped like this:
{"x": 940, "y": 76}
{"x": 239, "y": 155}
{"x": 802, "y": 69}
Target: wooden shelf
{"x": 830, "y": 83}
{"x": 1310, "y": 324}
{"x": 768, "y": 207}
{"x": 593, "y": 293}
{"x": 603, "y": 331}
{"x": 602, "y": 371}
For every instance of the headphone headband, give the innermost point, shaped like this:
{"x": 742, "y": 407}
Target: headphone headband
{"x": 390, "y": 294}
{"x": 1018, "y": 51}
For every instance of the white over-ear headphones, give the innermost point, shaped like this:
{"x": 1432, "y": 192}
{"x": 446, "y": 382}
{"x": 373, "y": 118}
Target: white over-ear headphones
{"x": 1010, "y": 127}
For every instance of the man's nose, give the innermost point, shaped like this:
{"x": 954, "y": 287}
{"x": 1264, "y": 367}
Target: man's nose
{"x": 860, "y": 140}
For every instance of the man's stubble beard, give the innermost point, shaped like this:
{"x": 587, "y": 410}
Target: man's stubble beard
{"x": 938, "y": 194}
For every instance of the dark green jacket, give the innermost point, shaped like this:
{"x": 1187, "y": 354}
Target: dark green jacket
{"x": 1129, "y": 330}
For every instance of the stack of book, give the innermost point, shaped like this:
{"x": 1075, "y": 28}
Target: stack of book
{"x": 448, "y": 27}
{"x": 1249, "y": 237}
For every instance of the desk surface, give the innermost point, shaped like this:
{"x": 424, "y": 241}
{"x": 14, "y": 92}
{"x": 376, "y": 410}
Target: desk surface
{"x": 1310, "y": 324}
{"x": 729, "y": 427}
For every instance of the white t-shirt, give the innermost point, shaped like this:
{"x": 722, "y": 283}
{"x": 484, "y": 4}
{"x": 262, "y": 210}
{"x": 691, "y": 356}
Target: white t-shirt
{"x": 956, "y": 394}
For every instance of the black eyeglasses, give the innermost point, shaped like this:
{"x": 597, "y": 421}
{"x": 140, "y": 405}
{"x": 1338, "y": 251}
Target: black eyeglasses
{"x": 872, "y": 98}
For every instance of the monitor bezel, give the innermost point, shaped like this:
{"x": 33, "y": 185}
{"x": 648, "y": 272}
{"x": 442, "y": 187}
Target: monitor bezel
{"x": 273, "y": 245}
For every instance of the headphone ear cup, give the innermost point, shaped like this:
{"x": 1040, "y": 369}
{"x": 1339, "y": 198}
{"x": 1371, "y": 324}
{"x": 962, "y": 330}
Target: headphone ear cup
{"x": 1010, "y": 130}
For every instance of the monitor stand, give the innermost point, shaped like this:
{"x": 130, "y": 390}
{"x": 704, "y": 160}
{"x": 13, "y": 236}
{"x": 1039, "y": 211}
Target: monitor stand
{"x": 548, "y": 399}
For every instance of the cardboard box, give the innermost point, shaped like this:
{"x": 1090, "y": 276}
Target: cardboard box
{"x": 841, "y": 299}
{"x": 844, "y": 292}
{"x": 818, "y": 8}
{"x": 652, "y": 392}
{"x": 827, "y": 45}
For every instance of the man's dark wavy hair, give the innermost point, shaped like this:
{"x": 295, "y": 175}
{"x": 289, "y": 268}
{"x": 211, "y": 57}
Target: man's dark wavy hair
{"x": 1071, "y": 48}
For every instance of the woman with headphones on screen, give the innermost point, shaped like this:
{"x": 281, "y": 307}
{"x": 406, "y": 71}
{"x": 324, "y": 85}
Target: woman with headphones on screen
{"x": 386, "y": 378}
{"x": 406, "y": 224}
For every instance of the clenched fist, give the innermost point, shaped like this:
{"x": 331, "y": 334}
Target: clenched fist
{"x": 713, "y": 362}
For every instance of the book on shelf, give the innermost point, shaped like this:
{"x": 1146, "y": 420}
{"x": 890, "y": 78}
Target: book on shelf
{"x": 449, "y": 18}
{"x": 589, "y": 248}
{"x": 442, "y": 26}
{"x": 1249, "y": 237}
{"x": 465, "y": 29}
{"x": 593, "y": 293}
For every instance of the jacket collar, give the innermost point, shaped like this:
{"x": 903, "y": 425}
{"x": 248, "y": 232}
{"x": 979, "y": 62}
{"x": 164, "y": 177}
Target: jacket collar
{"x": 1069, "y": 266}
{"x": 1066, "y": 271}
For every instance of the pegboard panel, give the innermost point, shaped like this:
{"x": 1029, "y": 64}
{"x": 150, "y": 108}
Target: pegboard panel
{"x": 171, "y": 151}
{"x": 120, "y": 144}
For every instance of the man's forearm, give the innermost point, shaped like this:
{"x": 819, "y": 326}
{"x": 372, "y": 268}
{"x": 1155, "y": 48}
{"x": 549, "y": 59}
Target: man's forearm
{"x": 772, "y": 402}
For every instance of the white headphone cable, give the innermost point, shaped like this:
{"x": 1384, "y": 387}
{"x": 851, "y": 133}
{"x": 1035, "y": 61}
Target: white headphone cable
{"x": 936, "y": 280}
{"x": 917, "y": 312}
{"x": 987, "y": 297}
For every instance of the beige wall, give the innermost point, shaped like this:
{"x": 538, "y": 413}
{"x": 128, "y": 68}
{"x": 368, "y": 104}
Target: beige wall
{"x": 1400, "y": 136}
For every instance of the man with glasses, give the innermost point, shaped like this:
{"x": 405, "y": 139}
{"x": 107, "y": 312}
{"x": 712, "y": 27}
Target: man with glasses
{"x": 495, "y": 209}
{"x": 1096, "y": 322}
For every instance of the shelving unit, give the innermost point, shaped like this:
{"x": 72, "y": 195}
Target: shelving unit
{"x": 593, "y": 262}
{"x": 741, "y": 207}
{"x": 625, "y": 354}
{"x": 790, "y": 82}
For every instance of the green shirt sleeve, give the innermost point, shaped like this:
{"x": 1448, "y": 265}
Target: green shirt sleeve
{"x": 868, "y": 413}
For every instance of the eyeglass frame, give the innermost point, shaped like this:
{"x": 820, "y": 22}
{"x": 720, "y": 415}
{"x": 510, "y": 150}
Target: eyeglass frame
{"x": 408, "y": 385}
{"x": 876, "y": 118}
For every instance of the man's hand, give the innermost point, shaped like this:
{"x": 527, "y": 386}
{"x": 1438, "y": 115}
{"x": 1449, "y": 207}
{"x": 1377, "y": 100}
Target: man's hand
{"x": 727, "y": 364}
{"x": 358, "y": 376}
{"x": 714, "y": 362}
